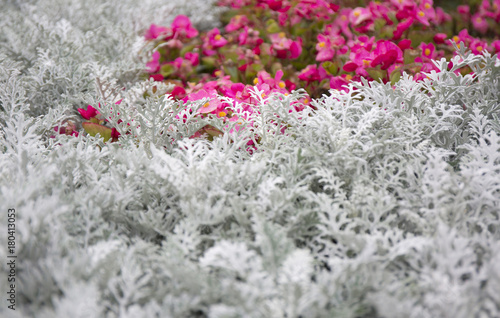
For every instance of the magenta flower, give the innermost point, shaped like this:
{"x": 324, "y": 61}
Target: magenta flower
{"x": 440, "y": 37}
{"x": 428, "y": 50}
{"x": 89, "y": 113}
{"x": 359, "y": 15}
{"x": 386, "y": 53}
{"x": 153, "y": 66}
{"x": 480, "y": 23}
{"x": 402, "y": 27}
{"x": 325, "y": 49}
{"x": 213, "y": 40}
{"x": 310, "y": 74}
{"x": 477, "y": 46}
{"x": 181, "y": 26}
{"x": 496, "y": 45}
{"x": 285, "y": 48}
{"x": 193, "y": 58}
{"x": 359, "y": 61}
{"x": 156, "y": 31}
{"x": 464, "y": 11}
{"x": 236, "y": 23}
{"x": 211, "y": 105}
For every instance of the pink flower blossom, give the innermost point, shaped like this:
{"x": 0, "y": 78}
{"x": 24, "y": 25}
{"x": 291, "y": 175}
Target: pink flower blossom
{"x": 181, "y": 26}
{"x": 211, "y": 105}
{"x": 153, "y": 66}
{"x": 213, "y": 40}
{"x": 285, "y": 48}
{"x": 89, "y": 113}
{"x": 359, "y": 15}
{"x": 480, "y": 23}
{"x": 440, "y": 37}
{"x": 428, "y": 50}
{"x": 402, "y": 27}
{"x": 386, "y": 53}
{"x": 156, "y": 31}
{"x": 237, "y": 22}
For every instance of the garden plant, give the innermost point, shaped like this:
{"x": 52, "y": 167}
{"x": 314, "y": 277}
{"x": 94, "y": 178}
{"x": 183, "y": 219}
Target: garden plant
{"x": 250, "y": 158}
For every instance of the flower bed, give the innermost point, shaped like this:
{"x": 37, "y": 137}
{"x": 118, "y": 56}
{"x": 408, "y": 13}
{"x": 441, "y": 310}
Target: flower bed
{"x": 293, "y": 187}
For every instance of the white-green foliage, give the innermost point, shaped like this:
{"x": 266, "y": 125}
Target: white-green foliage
{"x": 380, "y": 202}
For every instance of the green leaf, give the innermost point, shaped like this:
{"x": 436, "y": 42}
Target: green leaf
{"x": 273, "y": 28}
{"x": 167, "y": 70}
{"x": 94, "y": 129}
{"x": 409, "y": 56}
{"x": 232, "y": 71}
{"x": 376, "y": 74}
{"x": 330, "y": 67}
{"x": 187, "y": 48}
{"x": 395, "y": 76}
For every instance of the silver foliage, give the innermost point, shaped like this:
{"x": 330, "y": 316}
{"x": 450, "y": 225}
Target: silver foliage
{"x": 380, "y": 202}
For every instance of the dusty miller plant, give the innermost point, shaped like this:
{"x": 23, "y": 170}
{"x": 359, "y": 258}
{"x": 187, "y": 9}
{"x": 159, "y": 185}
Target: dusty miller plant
{"x": 377, "y": 202}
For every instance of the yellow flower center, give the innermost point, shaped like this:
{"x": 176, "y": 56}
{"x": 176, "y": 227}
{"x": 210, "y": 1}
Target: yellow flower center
{"x": 427, "y": 6}
{"x": 263, "y": 95}
{"x": 222, "y": 114}
{"x": 348, "y": 77}
{"x": 357, "y": 13}
{"x": 218, "y": 37}
{"x": 206, "y": 104}
{"x": 322, "y": 44}
{"x": 343, "y": 17}
{"x": 282, "y": 34}
{"x": 256, "y": 81}
{"x": 306, "y": 101}
{"x": 366, "y": 63}
{"x": 456, "y": 39}
{"x": 479, "y": 20}
{"x": 218, "y": 73}
{"x": 282, "y": 84}
{"x": 427, "y": 52}
{"x": 421, "y": 13}
{"x": 479, "y": 48}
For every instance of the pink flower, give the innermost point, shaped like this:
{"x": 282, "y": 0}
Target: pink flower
{"x": 340, "y": 82}
{"x": 386, "y": 53}
{"x": 211, "y": 105}
{"x": 153, "y": 66}
{"x": 428, "y": 50}
{"x": 114, "y": 134}
{"x": 325, "y": 50}
{"x": 89, "y": 113}
{"x": 69, "y": 130}
{"x": 402, "y": 27}
{"x": 213, "y": 40}
{"x": 496, "y": 46}
{"x": 404, "y": 44}
{"x": 156, "y": 31}
{"x": 310, "y": 74}
{"x": 278, "y": 5}
{"x": 181, "y": 26}
{"x": 477, "y": 46}
{"x": 464, "y": 11}
{"x": 440, "y": 37}
{"x": 236, "y": 23}
{"x": 285, "y": 48}
{"x": 178, "y": 92}
{"x": 359, "y": 15}
{"x": 193, "y": 58}
{"x": 479, "y": 23}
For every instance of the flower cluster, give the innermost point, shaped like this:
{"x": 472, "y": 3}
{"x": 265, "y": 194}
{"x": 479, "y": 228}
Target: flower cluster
{"x": 276, "y": 46}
